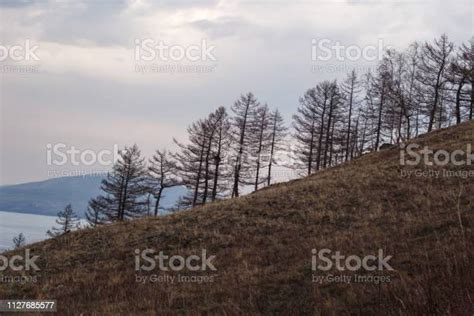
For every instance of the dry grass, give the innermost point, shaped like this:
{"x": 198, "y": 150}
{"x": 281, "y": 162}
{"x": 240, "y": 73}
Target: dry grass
{"x": 263, "y": 243}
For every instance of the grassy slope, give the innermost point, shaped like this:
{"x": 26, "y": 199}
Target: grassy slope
{"x": 263, "y": 243}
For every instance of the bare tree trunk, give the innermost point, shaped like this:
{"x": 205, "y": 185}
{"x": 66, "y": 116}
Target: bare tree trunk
{"x": 458, "y": 102}
{"x": 321, "y": 131}
{"x": 379, "y": 122}
{"x": 198, "y": 177}
{"x": 260, "y": 146}
{"x": 328, "y": 131}
{"x": 311, "y": 149}
{"x": 349, "y": 121}
{"x": 399, "y": 127}
{"x": 217, "y": 163}
{"x": 157, "y": 202}
{"x": 272, "y": 148}
{"x": 331, "y": 144}
{"x": 354, "y": 145}
{"x": 436, "y": 98}
{"x": 472, "y": 99}
{"x": 238, "y": 163}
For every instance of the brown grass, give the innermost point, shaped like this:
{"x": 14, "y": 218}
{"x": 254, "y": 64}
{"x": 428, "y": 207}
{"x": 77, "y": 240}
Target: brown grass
{"x": 263, "y": 243}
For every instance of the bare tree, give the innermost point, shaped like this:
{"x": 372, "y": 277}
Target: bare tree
{"x": 350, "y": 89}
{"x": 305, "y": 123}
{"x": 433, "y": 63}
{"x": 243, "y": 122}
{"x": 313, "y": 123}
{"x": 277, "y": 136}
{"x": 216, "y": 135}
{"x": 460, "y": 75}
{"x": 333, "y": 106}
{"x": 220, "y": 143}
{"x": 261, "y": 142}
{"x": 162, "y": 174}
{"x": 377, "y": 89}
{"x": 190, "y": 161}
{"x": 200, "y": 160}
{"x": 95, "y": 214}
{"x": 19, "y": 241}
{"x": 67, "y": 221}
{"x": 125, "y": 186}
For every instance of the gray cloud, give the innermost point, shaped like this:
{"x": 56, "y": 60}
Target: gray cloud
{"x": 16, "y": 3}
{"x": 224, "y": 27}
{"x": 88, "y": 94}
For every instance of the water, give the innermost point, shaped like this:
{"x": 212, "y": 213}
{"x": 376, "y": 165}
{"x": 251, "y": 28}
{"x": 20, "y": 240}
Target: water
{"x": 34, "y": 227}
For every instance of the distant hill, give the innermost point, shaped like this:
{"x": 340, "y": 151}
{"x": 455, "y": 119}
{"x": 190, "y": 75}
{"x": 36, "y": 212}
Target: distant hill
{"x": 263, "y": 246}
{"x": 50, "y": 196}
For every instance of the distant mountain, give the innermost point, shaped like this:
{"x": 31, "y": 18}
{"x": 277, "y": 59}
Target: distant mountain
{"x": 50, "y": 196}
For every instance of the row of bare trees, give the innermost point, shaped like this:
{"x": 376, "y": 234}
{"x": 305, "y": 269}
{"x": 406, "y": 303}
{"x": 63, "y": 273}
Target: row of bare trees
{"x": 427, "y": 86}
{"x": 223, "y": 154}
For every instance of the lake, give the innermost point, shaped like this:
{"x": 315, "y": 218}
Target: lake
{"x": 34, "y": 227}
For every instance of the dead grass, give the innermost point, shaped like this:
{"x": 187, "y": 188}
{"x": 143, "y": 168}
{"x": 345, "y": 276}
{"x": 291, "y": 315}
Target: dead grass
{"x": 263, "y": 243}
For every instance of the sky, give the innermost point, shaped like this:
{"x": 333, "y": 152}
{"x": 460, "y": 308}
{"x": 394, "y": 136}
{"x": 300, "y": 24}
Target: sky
{"x": 90, "y": 76}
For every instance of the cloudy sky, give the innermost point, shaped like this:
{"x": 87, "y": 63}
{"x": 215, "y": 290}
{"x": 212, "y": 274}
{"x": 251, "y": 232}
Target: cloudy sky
{"x": 86, "y": 82}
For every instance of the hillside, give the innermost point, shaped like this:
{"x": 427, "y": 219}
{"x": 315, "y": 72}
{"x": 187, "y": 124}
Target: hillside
{"x": 262, "y": 244}
{"x": 50, "y": 196}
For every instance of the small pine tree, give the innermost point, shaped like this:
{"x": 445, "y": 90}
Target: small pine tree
{"x": 260, "y": 143}
{"x": 312, "y": 125}
{"x": 243, "y": 124}
{"x": 191, "y": 162}
{"x": 67, "y": 221}
{"x": 125, "y": 187}
{"x": 200, "y": 162}
{"x": 19, "y": 241}
{"x": 277, "y": 136}
{"x": 434, "y": 62}
{"x": 350, "y": 89}
{"x": 95, "y": 211}
{"x": 162, "y": 174}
